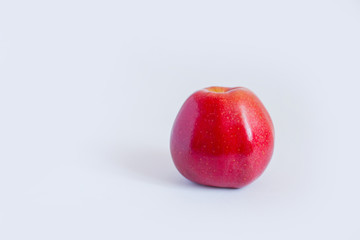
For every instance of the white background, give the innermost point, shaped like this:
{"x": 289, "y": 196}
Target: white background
{"x": 89, "y": 91}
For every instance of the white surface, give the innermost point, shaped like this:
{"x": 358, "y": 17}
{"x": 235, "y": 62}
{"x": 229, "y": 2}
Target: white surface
{"x": 89, "y": 92}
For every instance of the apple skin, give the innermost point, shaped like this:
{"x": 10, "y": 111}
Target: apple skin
{"x": 222, "y": 137}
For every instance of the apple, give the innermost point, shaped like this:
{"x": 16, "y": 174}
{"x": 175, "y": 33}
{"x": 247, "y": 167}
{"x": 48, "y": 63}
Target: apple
{"x": 222, "y": 137}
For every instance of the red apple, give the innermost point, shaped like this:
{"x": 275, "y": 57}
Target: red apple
{"x": 222, "y": 137}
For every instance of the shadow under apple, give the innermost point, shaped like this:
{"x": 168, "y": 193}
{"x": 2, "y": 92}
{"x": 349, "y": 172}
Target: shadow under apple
{"x": 150, "y": 165}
